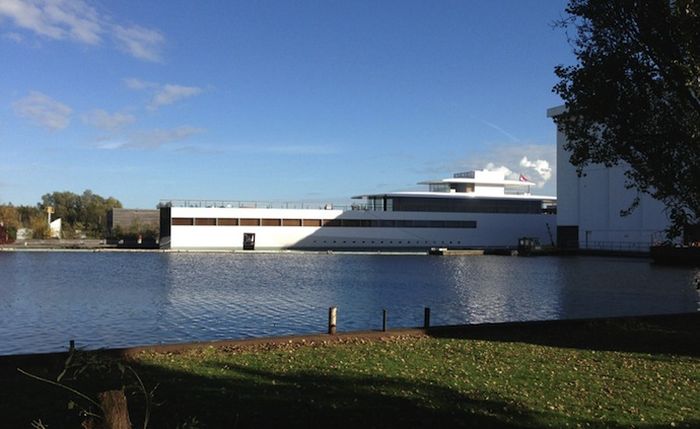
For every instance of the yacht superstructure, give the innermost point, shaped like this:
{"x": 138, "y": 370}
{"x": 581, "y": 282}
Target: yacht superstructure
{"x": 474, "y": 209}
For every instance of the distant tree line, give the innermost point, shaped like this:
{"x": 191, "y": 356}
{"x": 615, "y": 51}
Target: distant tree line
{"x": 81, "y": 215}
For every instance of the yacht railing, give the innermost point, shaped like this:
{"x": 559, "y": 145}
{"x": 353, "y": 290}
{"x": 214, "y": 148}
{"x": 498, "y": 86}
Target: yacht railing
{"x": 306, "y": 205}
{"x": 621, "y": 246}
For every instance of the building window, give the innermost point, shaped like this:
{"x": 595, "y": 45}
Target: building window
{"x": 291, "y": 222}
{"x": 311, "y": 222}
{"x": 271, "y": 222}
{"x": 250, "y": 222}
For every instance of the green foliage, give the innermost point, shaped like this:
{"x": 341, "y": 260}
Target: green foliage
{"x": 81, "y": 214}
{"x": 39, "y": 226}
{"x": 634, "y": 96}
{"x": 9, "y": 215}
{"x": 9, "y": 221}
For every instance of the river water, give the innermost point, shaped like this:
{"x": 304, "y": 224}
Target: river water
{"x": 127, "y": 299}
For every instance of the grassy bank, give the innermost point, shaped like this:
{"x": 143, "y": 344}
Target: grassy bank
{"x": 622, "y": 373}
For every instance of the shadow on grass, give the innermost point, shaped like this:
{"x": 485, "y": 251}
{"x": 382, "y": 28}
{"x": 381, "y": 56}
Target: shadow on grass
{"x": 243, "y": 397}
{"x": 246, "y": 397}
{"x": 656, "y": 335}
{"x": 236, "y": 396}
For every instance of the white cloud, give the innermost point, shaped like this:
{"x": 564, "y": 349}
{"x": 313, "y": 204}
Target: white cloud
{"x": 138, "y": 84}
{"x": 112, "y": 144}
{"x": 140, "y": 42}
{"x": 541, "y": 167}
{"x": 152, "y": 139}
{"x": 511, "y": 159}
{"x": 56, "y": 19}
{"x": 78, "y": 21}
{"x": 507, "y": 172}
{"x": 162, "y": 95}
{"x": 106, "y": 121}
{"x": 169, "y": 94}
{"x": 43, "y": 110}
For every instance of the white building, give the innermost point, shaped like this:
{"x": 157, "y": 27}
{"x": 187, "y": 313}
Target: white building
{"x": 588, "y": 207}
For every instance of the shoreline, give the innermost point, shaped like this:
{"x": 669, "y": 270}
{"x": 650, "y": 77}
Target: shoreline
{"x": 500, "y": 330}
{"x": 448, "y": 253}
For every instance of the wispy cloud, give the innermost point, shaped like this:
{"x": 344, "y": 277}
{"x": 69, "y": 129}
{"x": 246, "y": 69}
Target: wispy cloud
{"x": 56, "y": 19}
{"x": 43, "y": 110}
{"x": 76, "y": 20}
{"x": 152, "y": 139}
{"x": 256, "y": 149}
{"x": 285, "y": 149}
{"x": 162, "y": 95}
{"x": 140, "y": 42}
{"x": 138, "y": 84}
{"x": 111, "y": 122}
{"x": 15, "y": 37}
{"x": 169, "y": 94}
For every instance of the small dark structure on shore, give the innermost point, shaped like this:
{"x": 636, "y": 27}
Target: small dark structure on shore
{"x": 132, "y": 221}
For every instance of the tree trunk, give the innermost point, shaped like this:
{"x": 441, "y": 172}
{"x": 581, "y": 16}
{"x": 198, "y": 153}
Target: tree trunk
{"x": 116, "y": 413}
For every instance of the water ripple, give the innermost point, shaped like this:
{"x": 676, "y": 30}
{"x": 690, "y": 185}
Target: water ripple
{"x": 118, "y": 300}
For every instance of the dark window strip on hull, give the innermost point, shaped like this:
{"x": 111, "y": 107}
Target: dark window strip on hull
{"x": 342, "y": 223}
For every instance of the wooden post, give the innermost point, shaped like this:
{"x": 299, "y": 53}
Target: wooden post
{"x": 71, "y": 345}
{"x": 332, "y": 319}
{"x": 426, "y": 318}
{"x": 384, "y": 320}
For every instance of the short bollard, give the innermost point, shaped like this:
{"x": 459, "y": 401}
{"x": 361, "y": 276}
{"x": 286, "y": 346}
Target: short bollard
{"x": 332, "y": 318}
{"x": 426, "y": 318}
{"x": 383, "y": 320}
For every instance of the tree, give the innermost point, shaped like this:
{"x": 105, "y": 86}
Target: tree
{"x": 634, "y": 97}
{"x": 86, "y": 212}
{"x": 9, "y": 223}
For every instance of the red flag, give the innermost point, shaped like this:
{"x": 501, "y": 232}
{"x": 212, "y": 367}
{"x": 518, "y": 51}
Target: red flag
{"x": 523, "y": 178}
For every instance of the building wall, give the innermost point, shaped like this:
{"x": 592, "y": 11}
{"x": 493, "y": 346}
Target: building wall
{"x": 125, "y": 219}
{"x": 594, "y": 201}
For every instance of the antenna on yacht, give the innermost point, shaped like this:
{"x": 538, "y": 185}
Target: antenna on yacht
{"x": 525, "y": 179}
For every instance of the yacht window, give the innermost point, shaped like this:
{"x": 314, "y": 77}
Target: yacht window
{"x": 208, "y": 221}
{"x": 183, "y": 221}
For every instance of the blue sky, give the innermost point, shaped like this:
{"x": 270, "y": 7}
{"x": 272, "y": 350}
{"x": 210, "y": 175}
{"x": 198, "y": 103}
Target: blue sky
{"x": 272, "y": 100}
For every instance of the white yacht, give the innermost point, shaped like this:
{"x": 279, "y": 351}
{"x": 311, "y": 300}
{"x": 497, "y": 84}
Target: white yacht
{"x": 472, "y": 210}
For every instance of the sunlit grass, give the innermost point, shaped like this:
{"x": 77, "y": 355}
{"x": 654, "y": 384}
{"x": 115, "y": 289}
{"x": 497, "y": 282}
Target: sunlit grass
{"x": 515, "y": 383}
{"x": 602, "y": 374}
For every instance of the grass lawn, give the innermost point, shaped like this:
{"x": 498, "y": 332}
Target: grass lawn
{"x": 616, "y": 373}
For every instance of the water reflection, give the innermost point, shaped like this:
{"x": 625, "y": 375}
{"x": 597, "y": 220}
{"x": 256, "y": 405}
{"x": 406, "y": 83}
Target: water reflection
{"x": 114, "y": 299}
